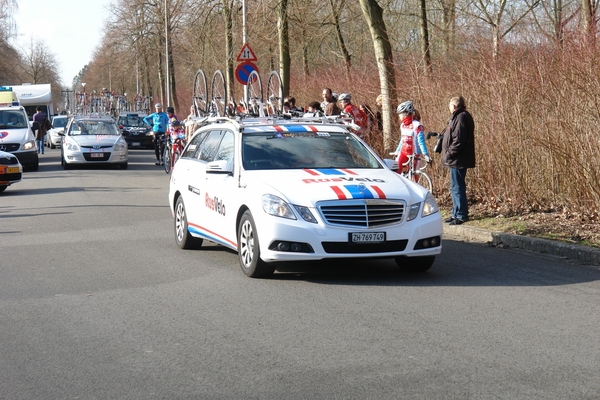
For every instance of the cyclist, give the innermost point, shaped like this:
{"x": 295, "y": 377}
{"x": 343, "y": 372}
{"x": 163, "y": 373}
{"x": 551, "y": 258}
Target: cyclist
{"x": 158, "y": 121}
{"x": 359, "y": 116}
{"x": 412, "y": 137}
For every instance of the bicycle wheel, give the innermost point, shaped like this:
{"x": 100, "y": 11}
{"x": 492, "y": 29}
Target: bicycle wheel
{"x": 167, "y": 159}
{"x": 274, "y": 94}
{"x": 255, "y": 94}
{"x": 218, "y": 94}
{"x": 176, "y": 156}
{"x": 200, "y": 95}
{"x": 424, "y": 180}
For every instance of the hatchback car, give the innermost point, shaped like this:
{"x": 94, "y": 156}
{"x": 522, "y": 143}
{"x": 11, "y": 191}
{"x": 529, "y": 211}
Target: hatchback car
{"x": 53, "y": 139}
{"x": 11, "y": 170}
{"x": 295, "y": 190}
{"x": 135, "y": 131}
{"x": 92, "y": 140}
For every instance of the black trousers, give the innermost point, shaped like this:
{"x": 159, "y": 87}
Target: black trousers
{"x": 159, "y": 144}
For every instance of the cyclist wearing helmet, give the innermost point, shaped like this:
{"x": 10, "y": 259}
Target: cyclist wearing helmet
{"x": 359, "y": 116}
{"x": 158, "y": 121}
{"x": 412, "y": 138}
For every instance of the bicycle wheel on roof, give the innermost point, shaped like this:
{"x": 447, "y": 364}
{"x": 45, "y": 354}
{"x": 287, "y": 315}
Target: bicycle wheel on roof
{"x": 218, "y": 94}
{"x": 255, "y": 94}
{"x": 274, "y": 94}
{"x": 200, "y": 95}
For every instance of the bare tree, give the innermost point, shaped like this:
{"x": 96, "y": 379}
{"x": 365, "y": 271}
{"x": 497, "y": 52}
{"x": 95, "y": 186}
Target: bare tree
{"x": 385, "y": 64}
{"x": 336, "y": 9}
{"x": 40, "y": 64}
{"x": 285, "y": 59}
{"x": 425, "y": 35}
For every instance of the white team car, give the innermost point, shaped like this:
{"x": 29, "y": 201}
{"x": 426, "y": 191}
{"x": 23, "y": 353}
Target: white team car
{"x": 292, "y": 190}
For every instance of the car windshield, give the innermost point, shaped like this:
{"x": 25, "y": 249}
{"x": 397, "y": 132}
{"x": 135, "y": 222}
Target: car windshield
{"x": 59, "y": 122}
{"x": 132, "y": 122}
{"x": 12, "y": 120}
{"x": 94, "y": 128}
{"x": 305, "y": 150}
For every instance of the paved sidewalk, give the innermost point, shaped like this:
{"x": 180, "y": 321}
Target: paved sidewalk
{"x": 583, "y": 254}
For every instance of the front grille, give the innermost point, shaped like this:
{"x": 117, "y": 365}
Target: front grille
{"x": 88, "y": 157}
{"x": 97, "y": 147}
{"x": 10, "y": 147}
{"x": 366, "y": 213}
{"x": 352, "y": 248}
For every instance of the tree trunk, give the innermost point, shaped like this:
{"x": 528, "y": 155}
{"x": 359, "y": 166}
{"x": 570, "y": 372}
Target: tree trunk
{"x": 425, "y": 37}
{"x": 284, "y": 46}
{"x": 227, "y": 16}
{"x": 335, "y": 13}
{"x": 449, "y": 23}
{"x": 385, "y": 65}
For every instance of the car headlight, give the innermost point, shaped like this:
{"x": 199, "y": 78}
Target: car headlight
{"x": 429, "y": 206}
{"x": 71, "y": 146}
{"x": 120, "y": 146}
{"x": 274, "y": 205}
{"x": 29, "y": 145}
{"x": 413, "y": 211}
{"x": 305, "y": 214}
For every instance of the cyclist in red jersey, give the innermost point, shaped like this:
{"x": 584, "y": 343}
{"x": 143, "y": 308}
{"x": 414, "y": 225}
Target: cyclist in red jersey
{"x": 359, "y": 116}
{"x": 412, "y": 138}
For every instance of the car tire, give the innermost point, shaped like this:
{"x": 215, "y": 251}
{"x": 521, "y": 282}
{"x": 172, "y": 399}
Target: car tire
{"x": 52, "y": 145}
{"x": 183, "y": 237}
{"x": 123, "y": 166}
{"x": 249, "y": 249}
{"x": 64, "y": 164}
{"x": 415, "y": 264}
{"x": 3, "y": 188}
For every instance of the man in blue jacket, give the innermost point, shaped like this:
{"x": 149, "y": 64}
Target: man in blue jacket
{"x": 158, "y": 121}
{"x": 458, "y": 154}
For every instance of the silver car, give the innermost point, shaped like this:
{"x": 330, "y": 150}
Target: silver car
{"x": 53, "y": 139}
{"x": 93, "y": 140}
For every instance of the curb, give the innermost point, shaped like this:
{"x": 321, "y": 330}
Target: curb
{"x": 587, "y": 255}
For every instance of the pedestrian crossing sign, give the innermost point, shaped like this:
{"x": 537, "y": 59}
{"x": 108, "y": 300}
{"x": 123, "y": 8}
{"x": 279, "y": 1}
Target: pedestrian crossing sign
{"x": 246, "y": 54}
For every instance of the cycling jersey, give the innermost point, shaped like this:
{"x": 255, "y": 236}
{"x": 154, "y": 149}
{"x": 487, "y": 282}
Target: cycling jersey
{"x": 359, "y": 116}
{"x": 412, "y": 140}
{"x": 158, "y": 121}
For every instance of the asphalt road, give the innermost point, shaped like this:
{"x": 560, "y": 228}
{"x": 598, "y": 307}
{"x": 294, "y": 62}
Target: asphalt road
{"x": 97, "y": 302}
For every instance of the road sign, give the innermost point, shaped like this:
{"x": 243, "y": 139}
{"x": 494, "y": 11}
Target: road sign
{"x": 246, "y": 54}
{"x": 243, "y": 71}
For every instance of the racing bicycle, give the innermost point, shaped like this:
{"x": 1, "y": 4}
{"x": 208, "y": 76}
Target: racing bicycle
{"x": 173, "y": 149}
{"x": 415, "y": 171}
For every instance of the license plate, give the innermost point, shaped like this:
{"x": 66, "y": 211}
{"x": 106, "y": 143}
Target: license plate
{"x": 97, "y": 155}
{"x": 367, "y": 237}
{"x": 12, "y": 170}
{"x": 136, "y": 144}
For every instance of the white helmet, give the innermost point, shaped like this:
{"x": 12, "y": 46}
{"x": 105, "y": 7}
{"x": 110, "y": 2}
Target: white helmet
{"x": 345, "y": 96}
{"x": 406, "y": 107}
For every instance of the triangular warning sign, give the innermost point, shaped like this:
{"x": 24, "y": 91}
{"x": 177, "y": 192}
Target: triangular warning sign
{"x": 246, "y": 54}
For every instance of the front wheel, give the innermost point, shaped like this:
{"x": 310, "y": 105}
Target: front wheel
{"x": 415, "y": 264}
{"x": 424, "y": 180}
{"x": 167, "y": 159}
{"x": 183, "y": 237}
{"x": 249, "y": 249}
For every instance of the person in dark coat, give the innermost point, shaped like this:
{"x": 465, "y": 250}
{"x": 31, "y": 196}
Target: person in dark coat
{"x": 458, "y": 154}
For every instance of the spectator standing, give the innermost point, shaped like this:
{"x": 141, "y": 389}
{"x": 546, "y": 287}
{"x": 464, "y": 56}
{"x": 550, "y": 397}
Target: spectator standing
{"x": 158, "y": 120}
{"x": 458, "y": 154}
{"x": 44, "y": 125}
{"x": 329, "y": 104}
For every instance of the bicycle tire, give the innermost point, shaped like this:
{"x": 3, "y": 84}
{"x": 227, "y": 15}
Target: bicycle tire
{"x": 200, "y": 95}
{"x": 274, "y": 94}
{"x": 218, "y": 94}
{"x": 175, "y": 157}
{"x": 167, "y": 159}
{"x": 255, "y": 94}
{"x": 424, "y": 180}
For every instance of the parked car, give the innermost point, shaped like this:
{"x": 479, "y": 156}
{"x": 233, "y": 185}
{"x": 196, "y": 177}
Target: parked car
{"x": 92, "y": 140}
{"x": 53, "y": 139}
{"x": 135, "y": 131}
{"x": 11, "y": 170}
{"x": 297, "y": 190}
{"x": 16, "y": 132}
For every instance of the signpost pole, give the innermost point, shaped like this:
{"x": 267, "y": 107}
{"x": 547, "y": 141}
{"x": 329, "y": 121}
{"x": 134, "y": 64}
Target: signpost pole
{"x": 244, "y": 41}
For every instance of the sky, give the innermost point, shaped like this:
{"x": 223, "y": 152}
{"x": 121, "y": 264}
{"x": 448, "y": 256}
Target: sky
{"x": 71, "y": 29}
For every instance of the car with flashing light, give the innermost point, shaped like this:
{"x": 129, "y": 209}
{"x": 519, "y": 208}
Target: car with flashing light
{"x": 11, "y": 170}
{"x": 92, "y": 140}
{"x": 53, "y": 138}
{"x": 135, "y": 131}
{"x": 297, "y": 190}
{"x": 16, "y": 132}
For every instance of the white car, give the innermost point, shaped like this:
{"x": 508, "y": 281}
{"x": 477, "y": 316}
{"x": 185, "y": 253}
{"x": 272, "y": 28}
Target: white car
{"x": 287, "y": 190}
{"x": 53, "y": 138}
{"x": 11, "y": 170}
{"x": 93, "y": 140}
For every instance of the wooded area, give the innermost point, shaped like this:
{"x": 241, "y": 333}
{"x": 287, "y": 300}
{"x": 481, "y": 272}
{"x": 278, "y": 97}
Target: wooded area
{"x": 527, "y": 68}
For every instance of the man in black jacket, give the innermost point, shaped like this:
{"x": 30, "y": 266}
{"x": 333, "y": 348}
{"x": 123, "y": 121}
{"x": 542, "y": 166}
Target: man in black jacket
{"x": 458, "y": 154}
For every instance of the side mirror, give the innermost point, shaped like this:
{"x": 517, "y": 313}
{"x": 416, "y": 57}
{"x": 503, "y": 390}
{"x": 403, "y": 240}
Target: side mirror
{"x": 391, "y": 164}
{"x": 219, "y": 166}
